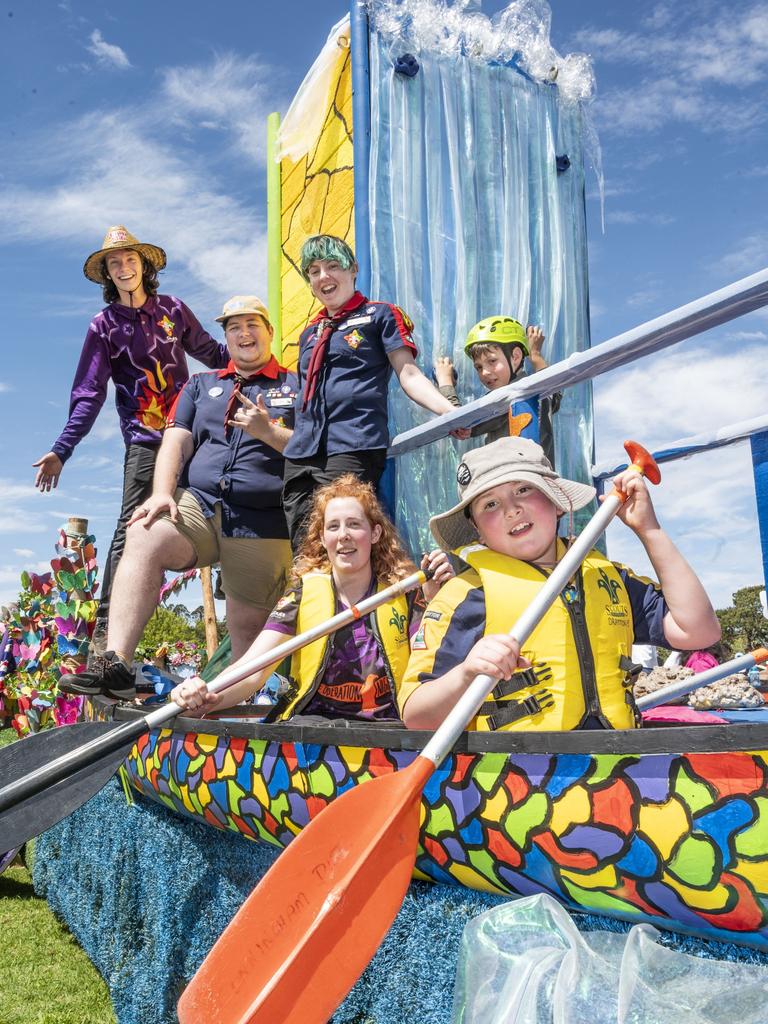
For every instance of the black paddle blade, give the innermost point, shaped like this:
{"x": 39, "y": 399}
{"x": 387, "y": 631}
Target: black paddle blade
{"x": 37, "y": 812}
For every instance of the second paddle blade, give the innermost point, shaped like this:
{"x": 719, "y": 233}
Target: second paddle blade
{"x": 307, "y": 931}
{"x": 33, "y": 815}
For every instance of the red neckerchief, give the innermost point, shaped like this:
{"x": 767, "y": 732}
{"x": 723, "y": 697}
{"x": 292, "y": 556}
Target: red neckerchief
{"x": 270, "y": 369}
{"x": 328, "y": 324}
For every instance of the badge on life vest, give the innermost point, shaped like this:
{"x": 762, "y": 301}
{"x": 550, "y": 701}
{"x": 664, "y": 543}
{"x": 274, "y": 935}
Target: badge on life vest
{"x": 419, "y": 642}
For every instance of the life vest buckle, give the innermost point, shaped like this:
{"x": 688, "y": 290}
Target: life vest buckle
{"x": 514, "y": 710}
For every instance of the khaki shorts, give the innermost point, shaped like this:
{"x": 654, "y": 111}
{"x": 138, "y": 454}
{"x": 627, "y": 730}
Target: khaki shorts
{"x": 253, "y": 569}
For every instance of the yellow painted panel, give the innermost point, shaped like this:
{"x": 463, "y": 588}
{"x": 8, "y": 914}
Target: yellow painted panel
{"x": 755, "y": 872}
{"x": 572, "y": 808}
{"x": 605, "y": 878}
{"x": 317, "y": 197}
{"x": 663, "y": 824}
{"x": 699, "y": 899}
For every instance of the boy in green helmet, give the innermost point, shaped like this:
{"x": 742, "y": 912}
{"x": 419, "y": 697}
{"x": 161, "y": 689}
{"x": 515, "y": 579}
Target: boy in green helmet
{"x": 498, "y": 347}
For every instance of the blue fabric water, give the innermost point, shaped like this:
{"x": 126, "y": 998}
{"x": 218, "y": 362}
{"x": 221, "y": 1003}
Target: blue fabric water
{"x": 147, "y": 893}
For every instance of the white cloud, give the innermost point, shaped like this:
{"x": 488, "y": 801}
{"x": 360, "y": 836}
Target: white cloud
{"x": 750, "y": 256}
{"x": 706, "y": 502}
{"x": 24, "y": 552}
{"x": 231, "y": 97}
{"x": 107, "y": 54}
{"x": 636, "y": 217}
{"x": 692, "y": 75}
{"x": 4, "y": 387}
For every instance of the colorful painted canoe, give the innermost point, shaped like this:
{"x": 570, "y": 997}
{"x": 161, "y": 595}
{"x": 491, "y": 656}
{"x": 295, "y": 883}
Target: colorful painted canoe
{"x": 663, "y": 824}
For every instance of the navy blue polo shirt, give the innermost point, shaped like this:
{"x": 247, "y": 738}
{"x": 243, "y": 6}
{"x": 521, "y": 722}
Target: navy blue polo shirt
{"x": 244, "y": 474}
{"x": 348, "y": 411}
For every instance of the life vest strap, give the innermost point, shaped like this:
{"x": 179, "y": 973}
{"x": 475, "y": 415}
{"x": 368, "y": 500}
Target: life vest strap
{"x": 514, "y": 710}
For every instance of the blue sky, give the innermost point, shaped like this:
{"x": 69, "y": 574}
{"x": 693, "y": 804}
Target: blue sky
{"x": 154, "y": 116}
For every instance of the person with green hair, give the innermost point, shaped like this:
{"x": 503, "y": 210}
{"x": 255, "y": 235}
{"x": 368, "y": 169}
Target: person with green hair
{"x": 347, "y": 354}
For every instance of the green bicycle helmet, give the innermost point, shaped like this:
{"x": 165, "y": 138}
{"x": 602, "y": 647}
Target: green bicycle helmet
{"x": 497, "y": 330}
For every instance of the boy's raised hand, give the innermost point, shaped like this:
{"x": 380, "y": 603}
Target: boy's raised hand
{"x": 445, "y": 375}
{"x": 535, "y": 337}
{"x": 637, "y": 512}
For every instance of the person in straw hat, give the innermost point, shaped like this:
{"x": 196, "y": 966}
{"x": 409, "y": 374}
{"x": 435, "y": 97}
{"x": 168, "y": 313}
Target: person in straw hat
{"x": 140, "y": 342}
{"x": 215, "y": 498}
{"x": 574, "y": 671}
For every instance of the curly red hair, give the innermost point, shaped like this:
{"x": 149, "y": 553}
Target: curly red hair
{"x": 389, "y": 559}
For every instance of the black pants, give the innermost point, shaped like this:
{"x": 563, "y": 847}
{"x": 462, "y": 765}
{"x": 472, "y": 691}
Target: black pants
{"x": 138, "y": 469}
{"x": 302, "y": 477}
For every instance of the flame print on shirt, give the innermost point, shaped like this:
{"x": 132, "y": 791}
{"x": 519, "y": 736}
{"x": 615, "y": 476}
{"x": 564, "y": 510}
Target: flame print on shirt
{"x": 155, "y": 399}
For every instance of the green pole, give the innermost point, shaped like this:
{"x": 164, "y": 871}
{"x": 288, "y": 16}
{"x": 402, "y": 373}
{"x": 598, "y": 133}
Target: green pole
{"x": 274, "y": 250}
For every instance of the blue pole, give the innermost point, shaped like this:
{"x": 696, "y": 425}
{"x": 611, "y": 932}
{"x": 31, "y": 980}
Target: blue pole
{"x": 759, "y": 445}
{"x": 361, "y": 140}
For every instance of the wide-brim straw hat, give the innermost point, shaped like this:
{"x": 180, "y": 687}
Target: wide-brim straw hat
{"x": 119, "y": 237}
{"x": 240, "y": 305}
{"x": 508, "y": 460}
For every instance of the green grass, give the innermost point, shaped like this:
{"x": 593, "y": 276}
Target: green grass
{"x": 45, "y": 977}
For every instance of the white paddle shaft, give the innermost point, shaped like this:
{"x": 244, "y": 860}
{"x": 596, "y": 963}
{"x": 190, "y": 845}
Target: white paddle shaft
{"x": 235, "y": 673}
{"x": 466, "y": 707}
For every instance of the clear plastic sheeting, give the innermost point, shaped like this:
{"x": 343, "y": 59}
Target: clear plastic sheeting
{"x": 526, "y": 962}
{"x": 518, "y": 34}
{"x": 469, "y": 218}
{"x": 304, "y": 120}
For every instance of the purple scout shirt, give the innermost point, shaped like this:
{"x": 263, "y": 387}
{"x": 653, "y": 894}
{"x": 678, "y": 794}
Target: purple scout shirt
{"x": 144, "y": 352}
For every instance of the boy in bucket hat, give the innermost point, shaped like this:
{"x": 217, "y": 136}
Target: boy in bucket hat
{"x": 140, "y": 341}
{"x": 575, "y": 670}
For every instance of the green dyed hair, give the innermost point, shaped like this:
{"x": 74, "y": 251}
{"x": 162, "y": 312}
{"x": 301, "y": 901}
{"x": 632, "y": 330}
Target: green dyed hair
{"x": 325, "y": 247}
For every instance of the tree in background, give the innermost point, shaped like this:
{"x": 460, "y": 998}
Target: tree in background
{"x": 177, "y": 624}
{"x": 743, "y": 624}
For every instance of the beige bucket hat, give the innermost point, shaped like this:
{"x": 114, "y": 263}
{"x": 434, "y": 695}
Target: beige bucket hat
{"x": 508, "y": 460}
{"x": 119, "y": 237}
{"x": 238, "y": 305}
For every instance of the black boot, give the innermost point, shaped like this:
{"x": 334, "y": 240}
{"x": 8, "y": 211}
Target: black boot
{"x": 108, "y": 675}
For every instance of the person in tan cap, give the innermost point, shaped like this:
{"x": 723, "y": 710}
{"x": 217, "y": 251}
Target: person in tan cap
{"x": 575, "y": 670}
{"x": 215, "y": 498}
{"x": 140, "y": 342}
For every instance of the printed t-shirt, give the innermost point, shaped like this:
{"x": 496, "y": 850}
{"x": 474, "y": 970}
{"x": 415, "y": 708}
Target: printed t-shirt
{"x": 355, "y": 683}
{"x": 143, "y": 351}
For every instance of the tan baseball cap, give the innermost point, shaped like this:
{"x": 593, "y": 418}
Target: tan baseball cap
{"x": 508, "y": 460}
{"x": 238, "y": 305}
{"x": 119, "y": 237}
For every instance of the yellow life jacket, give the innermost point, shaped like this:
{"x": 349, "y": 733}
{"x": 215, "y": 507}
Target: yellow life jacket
{"x": 579, "y": 652}
{"x": 308, "y": 664}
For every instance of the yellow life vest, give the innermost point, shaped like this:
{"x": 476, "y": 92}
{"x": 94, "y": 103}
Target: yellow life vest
{"x": 579, "y": 651}
{"x": 308, "y": 664}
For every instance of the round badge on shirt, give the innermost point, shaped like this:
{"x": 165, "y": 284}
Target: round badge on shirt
{"x": 215, "y": 392}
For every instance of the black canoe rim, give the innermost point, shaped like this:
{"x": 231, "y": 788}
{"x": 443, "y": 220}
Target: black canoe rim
{"x": 668, "y": 739}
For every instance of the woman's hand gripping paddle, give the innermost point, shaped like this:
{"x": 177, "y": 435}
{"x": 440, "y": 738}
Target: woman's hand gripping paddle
{"x": 307, "y": 931}
{"x": 47, "y": 776}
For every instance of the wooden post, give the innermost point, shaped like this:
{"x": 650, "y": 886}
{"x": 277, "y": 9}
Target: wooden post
{"x": 209, "y": 611}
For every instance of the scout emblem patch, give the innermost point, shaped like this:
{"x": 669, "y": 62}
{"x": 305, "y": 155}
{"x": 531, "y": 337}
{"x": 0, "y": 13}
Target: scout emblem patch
{"x": 408, "y": 323}
{"x": 353, "y": 339}
{"x": 419, "y": 642}
{"x": 168, "y": 326}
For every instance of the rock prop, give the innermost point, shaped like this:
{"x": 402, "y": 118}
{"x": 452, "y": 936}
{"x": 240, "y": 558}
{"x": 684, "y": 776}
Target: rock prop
{"x": 734, "y": 691}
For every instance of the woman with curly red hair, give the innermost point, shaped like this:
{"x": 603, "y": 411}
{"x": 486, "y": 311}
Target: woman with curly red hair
{"x": 350, "y": 550}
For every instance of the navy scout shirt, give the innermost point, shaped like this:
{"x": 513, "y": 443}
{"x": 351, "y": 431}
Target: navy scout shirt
{"x": 348, "y": 411}
{"x": 231, "y": 467}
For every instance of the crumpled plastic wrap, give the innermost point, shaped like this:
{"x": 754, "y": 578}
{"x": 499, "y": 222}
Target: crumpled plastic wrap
{"x": 303, "y": 122}
{"x": 519, "y": 33}
{"x": 525, "y": 962}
